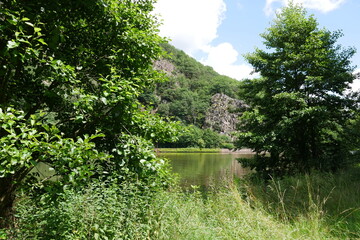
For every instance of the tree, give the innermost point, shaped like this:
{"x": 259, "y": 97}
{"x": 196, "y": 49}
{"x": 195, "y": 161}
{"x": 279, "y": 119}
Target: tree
{"x": 299, "y": 106}
{"x": 70, "y": 76}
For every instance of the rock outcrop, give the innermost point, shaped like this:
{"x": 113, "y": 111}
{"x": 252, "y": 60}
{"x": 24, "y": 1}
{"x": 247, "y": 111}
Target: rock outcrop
{"x": 224, "y": 113}
{"x": 166, "y": 66}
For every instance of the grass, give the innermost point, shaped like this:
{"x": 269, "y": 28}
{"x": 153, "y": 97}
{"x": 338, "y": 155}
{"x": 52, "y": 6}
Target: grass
{"x": 315, "y": 206}
{"x": 224, "y": 215}
{"x": 319, "y": 199}
{"x": 188, "y": 150}
{"x": 232, "y": 214}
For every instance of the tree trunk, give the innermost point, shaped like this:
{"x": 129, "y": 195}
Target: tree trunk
{"x": 8, "y": 186}
{"x": 7, "y": 197}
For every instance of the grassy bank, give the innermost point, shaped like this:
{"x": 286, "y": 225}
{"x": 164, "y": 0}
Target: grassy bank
{"x": 316, "y": 206}
{"x": 188, "y": 150}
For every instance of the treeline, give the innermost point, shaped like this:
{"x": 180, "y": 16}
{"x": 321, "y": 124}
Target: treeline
{"x": 195, "y": 137}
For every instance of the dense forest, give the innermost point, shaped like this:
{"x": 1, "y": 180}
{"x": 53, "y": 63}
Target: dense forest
{"x": 88, "y": 89}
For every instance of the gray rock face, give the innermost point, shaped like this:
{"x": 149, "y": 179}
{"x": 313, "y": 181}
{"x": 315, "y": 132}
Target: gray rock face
{"x": 223, "y": 114}
{"x": 166, "y": 66}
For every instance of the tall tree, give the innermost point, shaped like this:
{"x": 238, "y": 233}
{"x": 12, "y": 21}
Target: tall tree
{"x": 70, "y": 76}
{"x": 299, "y": 107}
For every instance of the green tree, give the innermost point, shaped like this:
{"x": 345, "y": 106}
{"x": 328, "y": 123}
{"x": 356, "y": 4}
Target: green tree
{"x": 298, "y": 108}
{"x": 70, "y": 76}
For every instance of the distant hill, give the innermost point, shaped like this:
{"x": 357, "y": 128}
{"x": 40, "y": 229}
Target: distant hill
{"x": 186, "y": 97}
{"x": 188, "y": 94}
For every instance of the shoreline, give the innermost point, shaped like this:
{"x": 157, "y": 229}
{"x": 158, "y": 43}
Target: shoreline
{"x": 203, "y": 150}
{"x": 239, "y": 151}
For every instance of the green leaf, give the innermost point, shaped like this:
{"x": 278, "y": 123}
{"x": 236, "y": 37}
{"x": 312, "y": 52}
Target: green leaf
{"x": 96, "y": 236}
{"x": 30, "y": 24}
{"x": 42, "y": 41}
{"x": 12, "y": 44}
{"x": 104, "y": 100}
{"x": 34, "y": 163}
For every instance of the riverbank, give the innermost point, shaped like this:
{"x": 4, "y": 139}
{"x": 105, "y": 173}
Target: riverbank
{"x": 203, "y": 150}
{"x": 314, "y": 206}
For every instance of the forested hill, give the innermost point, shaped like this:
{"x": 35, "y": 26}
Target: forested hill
{"x": 191, "y": 93}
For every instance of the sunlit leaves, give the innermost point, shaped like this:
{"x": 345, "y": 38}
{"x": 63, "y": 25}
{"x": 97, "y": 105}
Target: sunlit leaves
{"x": 82, "y": 64}
{"x": 299, "y": 108}
{"x": 25, "y": 143}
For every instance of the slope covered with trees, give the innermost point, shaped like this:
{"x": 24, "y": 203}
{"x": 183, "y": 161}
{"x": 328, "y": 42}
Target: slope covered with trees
{"x": 186, "y": 96}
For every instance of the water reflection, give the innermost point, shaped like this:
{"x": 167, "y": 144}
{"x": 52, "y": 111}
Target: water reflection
{"x": 205, "y": 169}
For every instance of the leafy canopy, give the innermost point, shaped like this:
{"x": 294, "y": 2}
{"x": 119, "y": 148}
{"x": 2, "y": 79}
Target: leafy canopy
{"x": 299, "y": 107}
{"x": 70, "y": 76}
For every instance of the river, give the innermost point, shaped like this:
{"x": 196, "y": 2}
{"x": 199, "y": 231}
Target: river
{"x": 206, "y": 169}
{"x": 200, "y": 169}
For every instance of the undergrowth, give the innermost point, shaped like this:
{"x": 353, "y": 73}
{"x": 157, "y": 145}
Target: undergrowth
{"x": 315, "y": 206}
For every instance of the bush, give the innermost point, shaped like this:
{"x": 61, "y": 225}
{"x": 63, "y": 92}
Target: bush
{"x": 103, "y": 211}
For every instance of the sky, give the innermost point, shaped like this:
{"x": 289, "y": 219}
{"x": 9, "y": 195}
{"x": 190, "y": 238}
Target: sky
{"x": 219, "y": 32}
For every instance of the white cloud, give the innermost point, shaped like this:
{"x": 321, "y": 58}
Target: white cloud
{"x": 320, "y": 5}
{"x": 355, "y": 86}
{"x": 190, "y": 24}
{"x": 223, "y": 59}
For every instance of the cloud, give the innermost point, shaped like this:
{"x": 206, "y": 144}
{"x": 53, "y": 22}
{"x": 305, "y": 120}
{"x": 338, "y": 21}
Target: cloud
{"x": 190, "y": 24}
{"x": 223, "y": 59}
{"x": 320, "y": 5}
{"x": 355, "y": 86}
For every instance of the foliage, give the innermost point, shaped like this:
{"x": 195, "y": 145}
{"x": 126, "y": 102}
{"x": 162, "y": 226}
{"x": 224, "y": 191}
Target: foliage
{"x": 27, "y": 142}
{"x": 71, "y": 74}
{"x": 314, "y": 206}
{"x": 183, "y": 104}
{"x": 194, "y": 137}
{"x": 186, "y": 96}
{"x": 328, "y": 198}
{"x": 299, "y": 108}
{"x": 353, "y": 132}
{"x": 103, "y": 211}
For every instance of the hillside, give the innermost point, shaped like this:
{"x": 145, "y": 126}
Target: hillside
{"x": 188, "y": 95}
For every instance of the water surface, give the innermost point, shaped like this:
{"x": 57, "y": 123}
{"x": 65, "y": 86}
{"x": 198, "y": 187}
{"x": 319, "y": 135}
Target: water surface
{"x": 205, "y": 169}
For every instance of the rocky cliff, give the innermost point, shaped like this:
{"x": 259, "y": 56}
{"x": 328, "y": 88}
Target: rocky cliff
{"x": 223, "y": 114}
{"x": 164, "y": 65}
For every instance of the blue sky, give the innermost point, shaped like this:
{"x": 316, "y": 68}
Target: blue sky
{"x": 219, "y": 32}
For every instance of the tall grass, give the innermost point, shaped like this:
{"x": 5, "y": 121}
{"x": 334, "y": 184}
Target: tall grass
{"x": 229, "y": 214}
{"x": 319, "y": 199}
{"x": 315, "y": 206}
